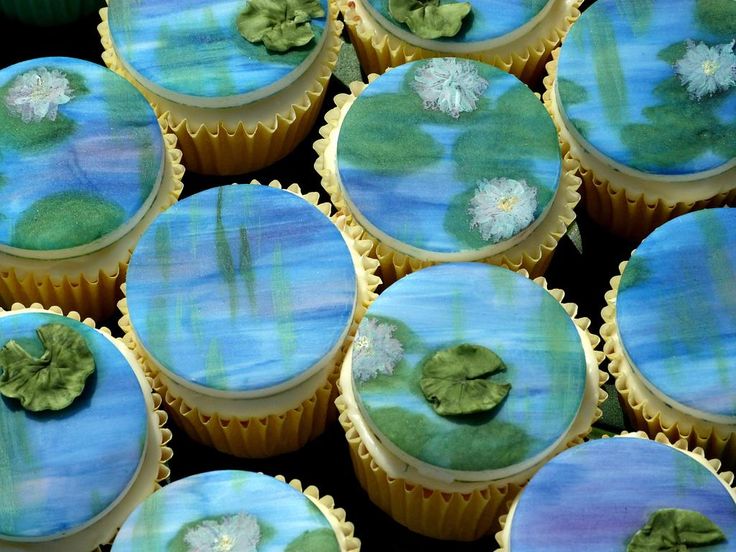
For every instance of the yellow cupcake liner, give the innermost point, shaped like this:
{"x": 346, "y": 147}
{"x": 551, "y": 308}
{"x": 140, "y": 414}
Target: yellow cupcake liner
{"x": 336, "y": 516}
{"x": 627, "y": 213}
{"x": 533, "y": 253}
{"x": 88, "y": 284}
{"x": 163, "y": 433}
{"x": 525, "y": 57}
{"x": 452, "y": 515}
{"x": 234, "y": 147}
{"x": 647, "y": 412}
{"x": 280, "y": 432}
{"x": 714, "y": 465}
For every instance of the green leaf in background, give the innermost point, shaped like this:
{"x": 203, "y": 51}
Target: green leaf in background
{"x": 428, "y": 18}
{"x": 53, "y": 380}
{"x": 280, "y": 24}
{"x": 674, "y": 530}
{"x": 452, "y": 380}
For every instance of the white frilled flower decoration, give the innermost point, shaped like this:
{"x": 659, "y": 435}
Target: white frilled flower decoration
{"x": 706, "y": 70}
{"x": 238, "y": 533}
{"x": 375, "y": 350}
{"x": 37, "y": 94}
{"x": 450, "y": 85}
{"x": 502, "y": 207}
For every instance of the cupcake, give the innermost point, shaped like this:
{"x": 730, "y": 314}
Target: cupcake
{"x": 515, "y": 35}
{"x": 628, "y": 494}
{"x": 84, "y": 170}
{"x": 462, "y": 380}
{"x": 644, "y": 95}
{"x": 238, "y": 301}
{"x": 237, "y": 510}
{"x": 482, "y": 180}
{"x": 83, "y": 441}
{"x": 669, "y": 326}
{"x": 240, "y": 82}
{"x": 48, "y": 12}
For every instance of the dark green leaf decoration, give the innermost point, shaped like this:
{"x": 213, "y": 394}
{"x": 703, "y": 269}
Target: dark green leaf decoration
{"x": 280, "y": 24}
{"x": 318, "y": 540}
{"x": 717, "y": 17}
{"x": 53, "y": 380}
{"x": 673, "y": 530}
{"x": 453, "y": 380}
{"x": 428, "y": 18}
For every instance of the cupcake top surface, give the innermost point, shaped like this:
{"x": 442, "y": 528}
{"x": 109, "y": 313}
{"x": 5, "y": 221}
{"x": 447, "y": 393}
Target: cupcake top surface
{"x": 209, "y": 511}
{"x": 652, "y": 85}
{"x": 423, "y": 368}
{"x": 62, "y": 470}
{"x": 91, "y": 147}
{"x": 676, "y": 313}
{"x": 241, "y": 290}
{"x": 596, "y": 496}
{"x": 471, "y": 168}
{"x": 200, "y": 58}
{"x": 488, "y": 23}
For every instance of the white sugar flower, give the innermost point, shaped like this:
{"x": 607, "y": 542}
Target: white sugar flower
{"x": 37, "y": 94}
{"x": 449, "y": 85}
{"x": 706, "y": 70}
{"x": 238, "y": 533}
{"x": 502, "y": 207}
{"x": 375, "y": 350}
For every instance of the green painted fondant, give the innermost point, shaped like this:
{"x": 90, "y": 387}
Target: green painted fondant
{"x": 638, "y": 14}
{"x": 318, "y": 540}
{"x": 247, "y": 271}
{"x": 225, "y": 261}
{"x": 53, "y": 380}
{"x": 280, "y": 24}
{"x": 573, "y": 92}
{"x": 283, "y": 307}
{"x": 675, "y": 530}
{"x": 215, "y": 375}
{"x": 430, "y": 19}
{"x": 453, "y": 380}
{"x": 66, "y": 219}
{"x": 163, "y": 250}
{"x": 716, "y": 16}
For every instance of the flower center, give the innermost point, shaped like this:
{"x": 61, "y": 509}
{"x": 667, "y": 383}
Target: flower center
{"x": 507, "y": 203}
{"x": 224, "y": 543}
{"x": 710, "y": 67}
{"x": 362, "y": 343}
{"x": 38, "y": 90}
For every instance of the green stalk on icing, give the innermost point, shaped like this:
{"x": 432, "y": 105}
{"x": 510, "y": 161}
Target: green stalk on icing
{"x": 158, "y": 329}
{"x": 574, "y": 94}
{"x": 214, "y": 368}
{"x": 247, "y": 271}
{"x": 162, "y": 239}
{"x": 283, "y": 307}
{"x": 225, "y": 262}
{"x": 674, "y": 530}
{"x": 609, "y": 72}
{"x": 318, "y": 540}
{"x": 147, "y": 529}
{"x": 638, "y": 14}
{"x": 429, "y": 19}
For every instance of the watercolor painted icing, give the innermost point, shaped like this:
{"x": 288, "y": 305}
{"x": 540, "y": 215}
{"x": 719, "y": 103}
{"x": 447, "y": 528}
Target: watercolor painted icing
{"x": 626, "y": 480}
{"x": 658, "y": 98}
{"x": 59, "y": 471}
{"x": 676, "y": 312}
{"x": 489, "y": 19}
{"x": 241, "y": 289}
{"x": 465, "y": 303}
{"x": 227, "y": 510}
{"x": 199, "y": 57}
{"x": 90, "y": 144}
{"x": 471, "y": 127}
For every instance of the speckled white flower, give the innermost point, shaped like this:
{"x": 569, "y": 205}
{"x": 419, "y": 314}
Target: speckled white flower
{"x": 238, "y": 533}
{"x": 450, "y": 85}
{"x": 375, "y": 350}
{"x": 37, "y": 94}
{"x": 502, "y": 207}
{"x": 706, "y": 70}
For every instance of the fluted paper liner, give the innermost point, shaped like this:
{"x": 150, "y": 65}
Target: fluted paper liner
{"x": 628, "y": 213}
{"x": 533, "y": 253}
{"x": 335, "y": 515}
{"x": 227, "y": 148}
{"x": 502, "y": 536}
{"x": 525, "y": 57}
{"x": 162, "y": 436}
{"x": 48, "y": 12}
{"x": 452, "y": 515}
{"x": 88, "y": 284}
{"x": 279, "y": 432}
{"x": 647, "y": 412}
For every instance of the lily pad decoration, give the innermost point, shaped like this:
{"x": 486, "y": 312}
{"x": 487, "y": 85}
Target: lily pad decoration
{"x": 673, "y": 530}
{"x": 453, "y": 380}
{"x": 53, "y": 380}
{"x": 428, "y": 18}
{"x": 280, "y": 24}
